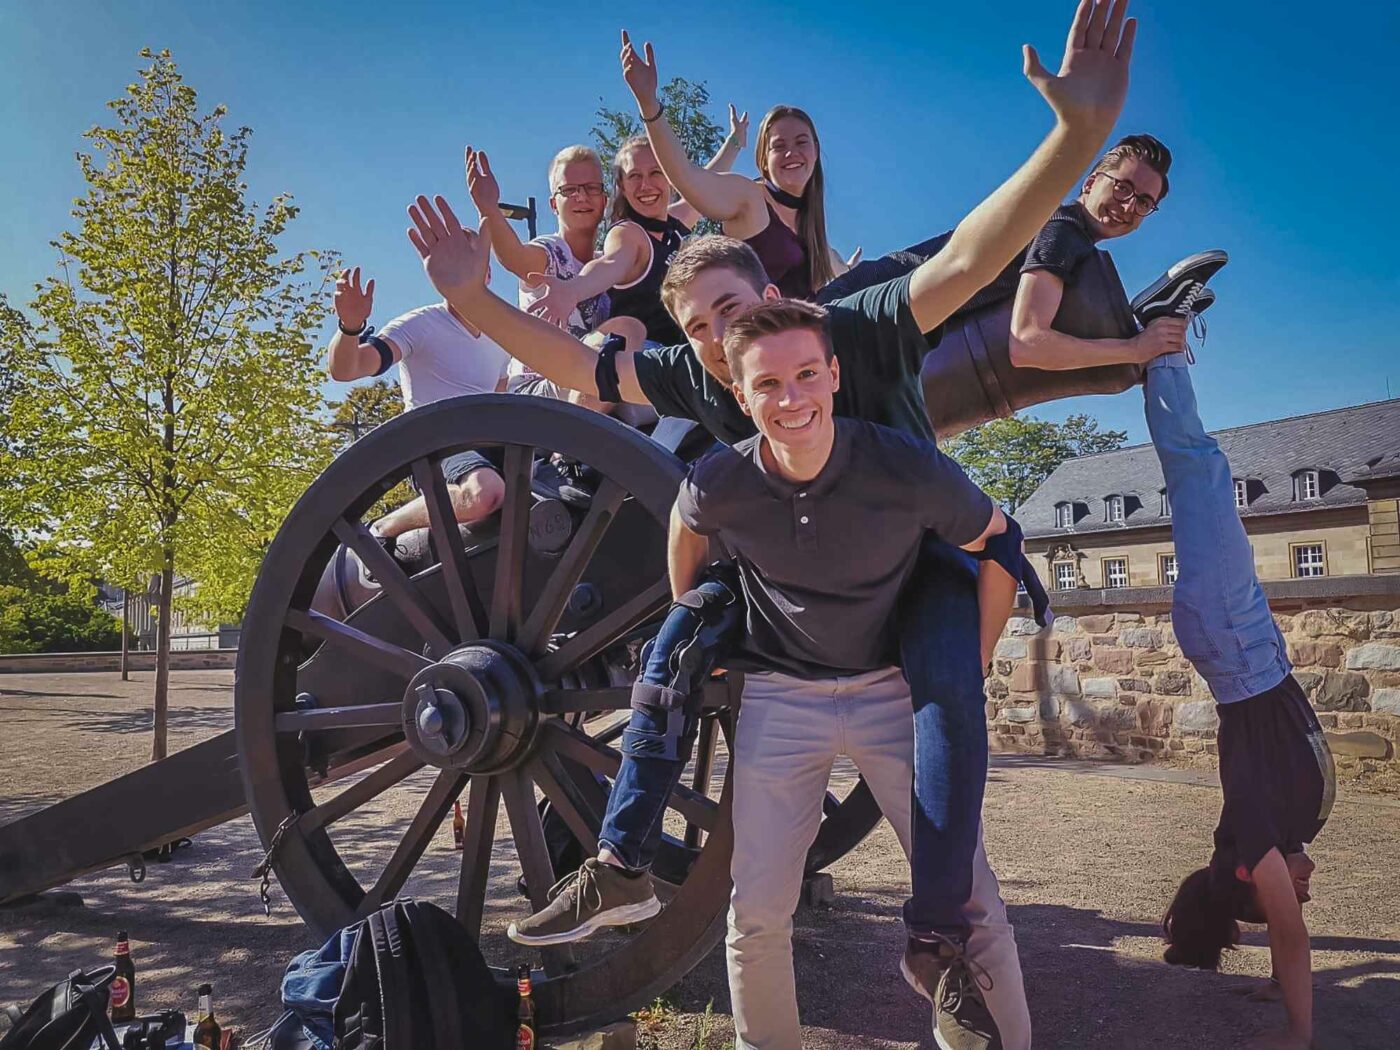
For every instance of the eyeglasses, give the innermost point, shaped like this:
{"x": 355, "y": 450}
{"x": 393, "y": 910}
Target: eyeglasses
{"x": 584, "y": 189}
{"x": 1123, "y": 192}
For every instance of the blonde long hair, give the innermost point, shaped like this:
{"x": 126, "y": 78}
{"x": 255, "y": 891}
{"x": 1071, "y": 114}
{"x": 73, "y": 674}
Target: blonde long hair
{"x": 811, "y": 217}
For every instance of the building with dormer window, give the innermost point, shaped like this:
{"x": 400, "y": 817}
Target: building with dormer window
{"x": 1319, "y": 496}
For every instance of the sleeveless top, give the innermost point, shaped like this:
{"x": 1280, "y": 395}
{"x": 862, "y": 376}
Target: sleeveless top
{"x": 784, "y": 257}
{"x": 642, "y": 298}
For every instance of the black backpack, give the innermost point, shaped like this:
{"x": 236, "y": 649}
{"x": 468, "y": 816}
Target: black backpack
{"x": 69, "y": 1016}
{"x": 416, "y": 979}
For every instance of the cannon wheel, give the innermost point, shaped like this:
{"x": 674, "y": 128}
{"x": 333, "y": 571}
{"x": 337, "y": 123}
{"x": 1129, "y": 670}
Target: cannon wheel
{"x": 471, "y": 681}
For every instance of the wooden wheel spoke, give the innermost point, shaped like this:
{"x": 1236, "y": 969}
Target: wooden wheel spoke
{"x": 395, "y": 584}
{"x": 478, "y": 837}
{"x": 574, "y": 810}
{"x": 355, "y": 717}
{"x": 530, "y": 847}
{"x": 704, "y": 767}
{"x": 508, "y": 588}
{"x": 353, "y": 642}
{"x": 361, "y": 792}
{"x": 468, "y": 612}
{"x": 607, "y": 501}
{"x": 421, "y": 829}
{"x": 599, "y": 635}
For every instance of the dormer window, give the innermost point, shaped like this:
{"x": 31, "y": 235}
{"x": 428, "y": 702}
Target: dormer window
{"x": 1166, "y": 505}
{"x": 1306, "y": 485}
{"x": 1241, "y": 493}
{"x": 1113, "y": 508}
{"x": 1064, "y": 515}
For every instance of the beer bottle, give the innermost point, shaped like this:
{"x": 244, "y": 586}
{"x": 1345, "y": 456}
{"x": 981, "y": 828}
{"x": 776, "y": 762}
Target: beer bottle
{"x": 206, "y": 1033}
{"x": 459, "y": 825}
{"x": 525, "y": 1034}
{"x": 122, "y": 994}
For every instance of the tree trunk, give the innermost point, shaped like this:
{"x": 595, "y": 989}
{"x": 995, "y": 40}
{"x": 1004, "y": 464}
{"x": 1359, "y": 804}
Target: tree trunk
{"x": 162, "y": 694}
{"x": 126, "y": 634}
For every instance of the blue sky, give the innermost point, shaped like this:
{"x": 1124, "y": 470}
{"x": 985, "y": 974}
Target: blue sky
{"x": 1281, "y": 117}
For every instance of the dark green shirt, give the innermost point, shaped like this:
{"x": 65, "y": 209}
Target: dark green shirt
{"x": 876, "y": 339}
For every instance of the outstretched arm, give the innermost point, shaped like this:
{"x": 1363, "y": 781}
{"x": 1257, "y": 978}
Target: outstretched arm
{"x": 722, "y": 161}
{"x": 1288, "y": 942}
{"x": 719, "y": 195}
{"x": 1086, "y": 96}
{"x": 1034, "y": 344}
{"x": 455, "y": 260}
{"x": 519, "y": 258}
{"x": 621, "y": 261}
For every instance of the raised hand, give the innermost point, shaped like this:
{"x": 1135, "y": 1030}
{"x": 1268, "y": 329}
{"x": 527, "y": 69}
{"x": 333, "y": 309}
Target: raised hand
{"x": 481, "y": 182}
{"x": 1092, "y": 83}
{"x": 456, "y": 260}
{"x": 640, "y": 74}
{"x": 854, "y": 259}
{"x": 353, "y": 304}
{"x": 738, "y": 127}
{"x": 556, "y": 303}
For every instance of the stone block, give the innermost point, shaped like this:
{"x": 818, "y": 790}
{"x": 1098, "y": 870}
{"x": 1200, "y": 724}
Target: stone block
{"x": 1012, "y": 648}
{"x": 1046, "y": 648}
{"x": 1096, "y": 624}
{"x": 1114, "y": 661}
{"x": 1049, "y": 707}
{"x": 1019, "y": 714}
{"x": 1151, "y": 657}
{"x": 1359, "y": 745}
{"x": 1141, "y": 637}
{"x": 1171, "y": 683}
{"x": 1155, "y": 717}
{"x": 1065, "y": 625}
{"x": 1019, "y": 626}
{"x": 1386, "y": 701}
{"x": 997, "y": 689}
{"x": 1314, "y": 653}
{"x": 1127, "y": 617}
{"x": 1029, "y": 677}
{"x": 1002, "y": 667}
{"x": 1078, "y": 713}
{"x": 1374, "y": 656}
{"x": 1100, "y": 687}
{"x": 1341, "y": 691}
{"x": 1308, "y": 681}
{"x": 1135, "y": 685}
{"x": 1079, "y": 648}
{"x": 1103, "y": 639}
{"x": 1064, "y": 681}
{"x": 1196, "y": 715}
{"x": 1383, "y": 620}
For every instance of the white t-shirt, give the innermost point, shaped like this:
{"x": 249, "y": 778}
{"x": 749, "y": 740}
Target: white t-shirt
{"x": 440, "y": 358}
{"x": 561, "y": 262}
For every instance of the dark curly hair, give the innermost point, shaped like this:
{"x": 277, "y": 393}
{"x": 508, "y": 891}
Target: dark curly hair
{"x": 1202, "y": 921}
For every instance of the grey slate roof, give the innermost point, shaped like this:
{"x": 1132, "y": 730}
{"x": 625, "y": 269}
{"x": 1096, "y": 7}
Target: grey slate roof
{"x": 1344, "y": 445}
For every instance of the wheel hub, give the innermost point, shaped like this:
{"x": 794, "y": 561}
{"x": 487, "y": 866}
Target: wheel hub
{"x": 474, "y": 710}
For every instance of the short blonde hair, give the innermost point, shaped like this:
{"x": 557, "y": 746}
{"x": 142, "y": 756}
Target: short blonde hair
{"x": 569, "y": 155}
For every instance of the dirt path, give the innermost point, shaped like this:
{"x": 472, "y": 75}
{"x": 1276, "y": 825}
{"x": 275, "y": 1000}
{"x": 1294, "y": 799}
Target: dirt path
{"x": 1087, "y": 856}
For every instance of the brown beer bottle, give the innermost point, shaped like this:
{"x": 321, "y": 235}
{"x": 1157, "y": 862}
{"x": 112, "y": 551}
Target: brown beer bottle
{"x": 122, "y": 994}
{"x": 525, "y": 1034}
{"x": 459, "y": 825}
{"x": 206, "y": 1033}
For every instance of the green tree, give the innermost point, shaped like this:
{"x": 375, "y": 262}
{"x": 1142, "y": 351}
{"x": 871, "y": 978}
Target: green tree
{"x": 1009, "y": 458}
{"x": 40, "y": 616}
{"x": 686, "y": 105}
{"x": 364, "y": 408}
{"x": 169, "y": 401}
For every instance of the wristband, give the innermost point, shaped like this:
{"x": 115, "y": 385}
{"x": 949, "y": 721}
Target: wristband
{"x": 605, "y": 371}
{"x": 355, "y": 331}
{"x": 660, "y": 110}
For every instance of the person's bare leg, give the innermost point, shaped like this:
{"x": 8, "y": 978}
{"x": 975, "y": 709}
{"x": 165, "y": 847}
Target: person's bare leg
{"x": 475, "y": 497}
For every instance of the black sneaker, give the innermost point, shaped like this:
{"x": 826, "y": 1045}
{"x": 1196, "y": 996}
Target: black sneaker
{"x": 1173, "y": 294}
{"x": 941, "y": 972}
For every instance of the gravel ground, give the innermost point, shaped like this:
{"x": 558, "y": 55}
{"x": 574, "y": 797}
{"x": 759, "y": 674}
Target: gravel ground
{"x": 1088, "y": 855}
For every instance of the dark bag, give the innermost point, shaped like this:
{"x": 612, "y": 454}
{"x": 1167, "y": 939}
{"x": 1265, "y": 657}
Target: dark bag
{"x": 417, "y": 979}
{"x": 69, "y": 1016}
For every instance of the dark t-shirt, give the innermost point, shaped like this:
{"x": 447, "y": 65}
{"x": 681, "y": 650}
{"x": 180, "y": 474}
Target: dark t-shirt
{"x": 1276, "y": 775}
{"x": 822, "y": 562}
{"x": 1060, "y": 247}
{"x": 876, "y": 339}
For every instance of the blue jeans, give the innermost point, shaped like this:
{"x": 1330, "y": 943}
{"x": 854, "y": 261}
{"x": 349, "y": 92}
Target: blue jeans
{"x": 1221, "y": 617}
{"x": 940, "y": 651}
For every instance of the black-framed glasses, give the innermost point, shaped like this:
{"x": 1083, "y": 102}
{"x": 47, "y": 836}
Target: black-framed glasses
{"x": 1123, "y": 192}
{"x": 575, "y": 189}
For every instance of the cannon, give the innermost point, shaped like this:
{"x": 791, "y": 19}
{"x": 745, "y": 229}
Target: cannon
{"x": 494, "y": 671}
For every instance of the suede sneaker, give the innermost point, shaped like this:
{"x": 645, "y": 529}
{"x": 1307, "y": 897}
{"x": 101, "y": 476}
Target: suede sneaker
{"x": 595, "y": 896}
{"x": 961, "y": 1020}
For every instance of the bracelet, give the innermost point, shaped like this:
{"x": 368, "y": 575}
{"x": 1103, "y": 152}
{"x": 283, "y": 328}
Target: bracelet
{"x": 660, "y": 109}
{"x": 341, "y": 325}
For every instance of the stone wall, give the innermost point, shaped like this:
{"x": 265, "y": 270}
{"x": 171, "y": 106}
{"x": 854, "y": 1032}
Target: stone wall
{"x": 1108, "y": 680}
{"x": 141, "y": 660}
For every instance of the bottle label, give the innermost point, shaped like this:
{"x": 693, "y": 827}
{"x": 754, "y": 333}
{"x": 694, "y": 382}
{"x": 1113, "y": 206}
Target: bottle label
{"x": 525, "y": 1038}
{"x": 120, "y": 993}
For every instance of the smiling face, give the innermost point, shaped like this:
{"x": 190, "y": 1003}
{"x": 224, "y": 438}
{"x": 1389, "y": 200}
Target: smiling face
{"x": 788, "y": 152}
{"x": 643, "y": 184}
{"x": 705, "y": 304}
{"x": 582, "y": 208}
{"x": 787, "y": 383}
{"x": 1108, "y": 216}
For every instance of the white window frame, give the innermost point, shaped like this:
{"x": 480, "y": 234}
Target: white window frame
{"x": 1168, "y": 575}
{"x": 1241, "y": 493}
{"x": 1109, "y": 577}
{"x": 1066, "y": 575}
{"x": 1064, "y": 515}
{"x": 1304, "y": 481}
{"x": 1166, "y": 505}
{"x": 1316, "y": 555}
{"x": 1112, "y": 502}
